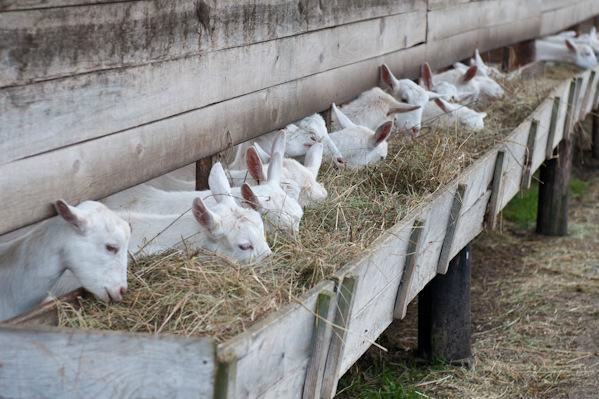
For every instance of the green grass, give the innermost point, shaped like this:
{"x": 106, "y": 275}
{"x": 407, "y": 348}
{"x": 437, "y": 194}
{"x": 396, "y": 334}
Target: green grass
{"x": 385, "y": 379}
{"x": 523, "y": 208}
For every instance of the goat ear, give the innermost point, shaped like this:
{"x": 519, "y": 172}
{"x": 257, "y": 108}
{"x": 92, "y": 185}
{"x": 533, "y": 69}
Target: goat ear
{"x": 571, "y": 46}
{"x": 280, "y": 142}
{"x": 254, "y": 164}
{"x": 387, "y": 77}
{"x": 443, "y": 105}
{"x": 264, "y": 156}
{"x": 478, "y": 60}
{"x": 401, "y": 108}
{"x": 382, "y": 133}
{"x": 427, "y": 76}
{"x": 275, "y": 168}
{"x": 72, "y": 215}
{"x": 205, "y": 217}
{"x": 249, "y": 198}
{"x": 343, "y": 120}
{"x": 470, "y": 73}
{"x": 219, "y": 184}
{"x": 593, "y": 33}
{"x": 313, "y": 158}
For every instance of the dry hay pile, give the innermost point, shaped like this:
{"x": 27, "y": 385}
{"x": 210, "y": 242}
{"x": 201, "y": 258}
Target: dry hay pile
{"x": 197, "y": 293}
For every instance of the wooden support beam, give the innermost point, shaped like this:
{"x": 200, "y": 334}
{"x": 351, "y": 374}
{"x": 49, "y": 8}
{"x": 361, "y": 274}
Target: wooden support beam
{"x": 587, "y": 96}
{"x": 496, "y": 189}
{"x": 320, "y": 345}
{"x": 226, "y": 374}
{"x": 401, "y": 300}
{"x": 554, "y": 176}
{"x": 345, "y": 301}
{"x": 203, "y": 167}
{"x": 596, "y": 97}
{"x": 452, "y": 223}
{"x": 552, "y": 128}
{"x": 530, "y": 150}
{"x": 444, "y": 322}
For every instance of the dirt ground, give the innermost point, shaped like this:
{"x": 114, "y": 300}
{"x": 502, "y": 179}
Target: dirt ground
{"x": 535, "y": 312}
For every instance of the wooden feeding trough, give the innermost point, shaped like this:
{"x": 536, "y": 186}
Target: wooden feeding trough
{"x": 304, "y": 348}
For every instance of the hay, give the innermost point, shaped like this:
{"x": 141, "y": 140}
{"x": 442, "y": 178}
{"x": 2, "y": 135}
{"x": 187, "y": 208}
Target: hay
{"x": 197, "y": 293}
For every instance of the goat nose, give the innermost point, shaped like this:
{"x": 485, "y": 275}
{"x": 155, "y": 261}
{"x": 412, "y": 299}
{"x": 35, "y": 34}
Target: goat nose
{"x": 123, "y": 291}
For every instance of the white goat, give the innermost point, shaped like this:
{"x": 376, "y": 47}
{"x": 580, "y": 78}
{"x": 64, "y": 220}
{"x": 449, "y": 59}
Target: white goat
{"x": 360, "y": 145}
{"x": 407, "y": 91}
{"x": 446, "y": 114}
{"x": 469, "y": 86}
{"x": 301, "y": 135}
{"x": 297, "y": 180}
{"x": 374, "y": 107}
{"x": 577, "y": 54}
{"x": 89, "y": 240}
{"x": 279, "y": 209}
{"x": 589, "y": 39}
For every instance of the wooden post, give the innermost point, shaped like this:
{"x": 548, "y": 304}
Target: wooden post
{"x": 552, "y": 128}
{"x": 226, "y": 373}
{"x": 530, "y": 149}
{"x": 345, "y": 301}
{"x": 320, "y": 345}
{"x": 401, "y": 300}
{"x": 444, "y": 324}
{"x": 496, "y": 190}
{"x": 554, "y": 176}
{"x": 452, "y": 225}
{"x": 524, "y": 53}
{"x": 203, "y": 167}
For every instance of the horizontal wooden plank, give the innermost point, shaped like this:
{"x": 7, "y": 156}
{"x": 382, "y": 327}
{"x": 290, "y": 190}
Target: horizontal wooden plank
{"x": 15, "y": 5}
{"x": 276, "y": 349}
{"x": 561, "y": 18}
{"x": 62, "y": 112}
{"x": 64, "y": 363}
{"x": 448, "y": 22}
{"x": 48, "y": 43}
{"x": 98, "y": 168}
{"x": 444, "y": 52}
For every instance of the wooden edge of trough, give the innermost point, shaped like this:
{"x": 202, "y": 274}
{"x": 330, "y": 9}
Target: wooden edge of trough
{"x": 278, "y": 350}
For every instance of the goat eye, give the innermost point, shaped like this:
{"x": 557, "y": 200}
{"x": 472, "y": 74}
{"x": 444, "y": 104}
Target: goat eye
{"x": 113, "y": 249}
{"x": 246, "y": 247}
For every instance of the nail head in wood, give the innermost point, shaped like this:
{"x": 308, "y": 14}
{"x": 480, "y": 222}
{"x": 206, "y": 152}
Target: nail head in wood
{"x": 452, "y": 224}
{"x": 401, "y": 300}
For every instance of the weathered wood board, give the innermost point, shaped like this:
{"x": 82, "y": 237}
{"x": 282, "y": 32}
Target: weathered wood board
{"x": 52, "y": 39}
{"x": 62, "y": 112}
{"x": 63, "y": 363}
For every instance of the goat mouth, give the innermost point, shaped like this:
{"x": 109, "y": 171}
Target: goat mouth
{"x": 110, "y": 298}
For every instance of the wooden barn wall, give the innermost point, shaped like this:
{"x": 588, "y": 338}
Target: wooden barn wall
{"x": 96, "y": 96}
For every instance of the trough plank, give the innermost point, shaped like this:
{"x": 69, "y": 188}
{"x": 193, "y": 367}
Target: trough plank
{"x": 57, "y": 41}
{"x": 62, "y": 112}
{"x": 281, "y": 344}
{"x": 62, "y": 363}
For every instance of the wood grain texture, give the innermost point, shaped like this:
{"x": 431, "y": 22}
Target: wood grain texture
{"x": 66, "y": 39}
{"x": 448, "y": 22}
{"x": 566, "y": 15}
{"x": 496, "y": 190}
{"x": 62, "y": 363}
{"x": 530, "y": 150}
{"x": 63, "y": 112}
